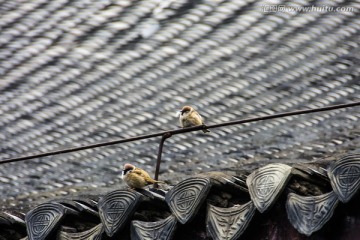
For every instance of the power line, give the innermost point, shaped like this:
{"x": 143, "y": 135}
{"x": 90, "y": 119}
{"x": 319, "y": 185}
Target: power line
{"x": 183, "y": 130}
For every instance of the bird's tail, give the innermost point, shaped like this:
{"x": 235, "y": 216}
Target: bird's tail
{"x": 152, "y": 181}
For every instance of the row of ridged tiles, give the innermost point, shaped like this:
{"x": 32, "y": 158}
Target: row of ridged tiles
{"x": 228, "y": 206}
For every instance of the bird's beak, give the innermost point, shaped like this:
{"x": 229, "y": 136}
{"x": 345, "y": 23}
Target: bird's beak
{"x": 178, "y": 113}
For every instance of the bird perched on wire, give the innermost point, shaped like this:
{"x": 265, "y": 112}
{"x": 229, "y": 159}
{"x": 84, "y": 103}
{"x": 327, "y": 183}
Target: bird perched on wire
{"x": 188, "y": 117}
{"x": 136, "y": 177}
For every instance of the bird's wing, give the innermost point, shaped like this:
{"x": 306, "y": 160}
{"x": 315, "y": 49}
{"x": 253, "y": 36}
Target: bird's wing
{"x": 197, "y": 118}
{"x": 140, "y": 172}
{"x": 200, "y": 116}
{"x": 143, "y": 174}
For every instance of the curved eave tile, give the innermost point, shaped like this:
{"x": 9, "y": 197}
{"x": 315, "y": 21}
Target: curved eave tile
{"x": 345, "y": 177}
{"x": 163, "y": 229}
{"x": 116, "y": 208}
{"x": 185, "y": 198}
{"x": 309, "y": 214}
{"x": 229, "y": 223}
{"x": 43, "y": 220}
{"x": 93, "y": 234}
{"x": 266, "y": 184}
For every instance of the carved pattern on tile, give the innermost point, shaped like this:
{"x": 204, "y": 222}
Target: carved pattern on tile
{"x": 42, "y": 220}
{"x": 186, "y": 197}
{"x": 116, "y": 208}
{"x": 309, "y": 214}
{"x": 266, "y": 184}
{"x": 91, "y": 234}
{"x": 345, "y": 177}
{"x": 161, "y": 230}
{"x": 229, "y": 223}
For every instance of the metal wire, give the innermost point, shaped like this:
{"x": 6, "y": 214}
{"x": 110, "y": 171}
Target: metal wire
{"x": 180, "y": 131}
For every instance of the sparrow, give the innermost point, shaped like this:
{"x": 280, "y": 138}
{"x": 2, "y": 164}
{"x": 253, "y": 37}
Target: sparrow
{"x": 188, "y": 117}
{"x": 136, "y": 177}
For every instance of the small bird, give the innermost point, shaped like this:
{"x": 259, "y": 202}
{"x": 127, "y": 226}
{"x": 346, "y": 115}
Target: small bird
{"x": 188, "y": 117}
{"x": 136, "y": 177}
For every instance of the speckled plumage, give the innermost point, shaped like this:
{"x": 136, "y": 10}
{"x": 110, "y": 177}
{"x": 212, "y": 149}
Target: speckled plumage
{"x": 188, "y": 117}
{"x": 136, "y": 177}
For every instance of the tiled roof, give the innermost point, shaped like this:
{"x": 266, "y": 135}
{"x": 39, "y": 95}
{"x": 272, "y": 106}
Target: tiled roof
{"x": 297, "y": 199}
{"x": 80, "y": 72}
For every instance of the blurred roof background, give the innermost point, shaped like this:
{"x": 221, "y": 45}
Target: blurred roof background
{"x": 85, "y": 71}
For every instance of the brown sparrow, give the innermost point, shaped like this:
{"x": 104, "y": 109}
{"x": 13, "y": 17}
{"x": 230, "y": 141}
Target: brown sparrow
{"x": 188, "y": 117}
{"x": 136, "y": 177}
